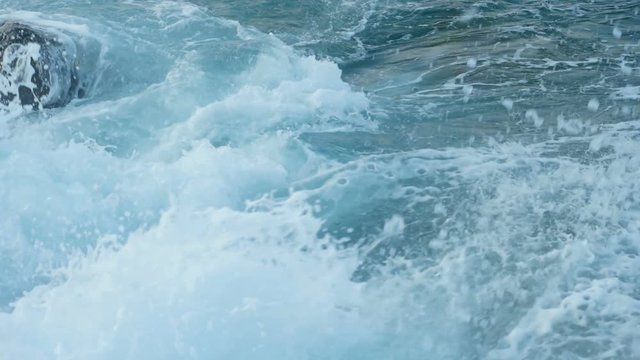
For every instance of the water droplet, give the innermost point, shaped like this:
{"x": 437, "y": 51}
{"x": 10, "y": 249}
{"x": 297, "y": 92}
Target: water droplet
{"x": 472, "y": 63}
{"x": 507, "y": 103}
{"x": 617, "y": 33}
{"x": 532, "y": 115}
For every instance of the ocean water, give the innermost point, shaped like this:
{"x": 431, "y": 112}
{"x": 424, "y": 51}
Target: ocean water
{"x": 328, "y": 179}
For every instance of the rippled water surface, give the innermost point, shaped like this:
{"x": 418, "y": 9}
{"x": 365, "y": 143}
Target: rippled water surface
{"x": 327, "y": 180}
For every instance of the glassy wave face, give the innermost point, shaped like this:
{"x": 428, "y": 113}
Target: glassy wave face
{"x": 325, "y": 180}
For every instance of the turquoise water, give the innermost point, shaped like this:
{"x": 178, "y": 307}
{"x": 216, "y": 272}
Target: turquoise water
{"x": 327, "y": 180}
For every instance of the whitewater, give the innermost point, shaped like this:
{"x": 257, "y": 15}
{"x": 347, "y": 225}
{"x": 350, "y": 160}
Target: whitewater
{"x": 326, "y": 179}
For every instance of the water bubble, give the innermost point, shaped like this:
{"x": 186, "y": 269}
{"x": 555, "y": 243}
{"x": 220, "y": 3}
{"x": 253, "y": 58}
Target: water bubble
{"x": 472, "y": 63}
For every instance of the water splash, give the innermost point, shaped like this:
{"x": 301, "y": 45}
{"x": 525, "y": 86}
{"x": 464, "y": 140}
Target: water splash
{"x": 222, "y": 194}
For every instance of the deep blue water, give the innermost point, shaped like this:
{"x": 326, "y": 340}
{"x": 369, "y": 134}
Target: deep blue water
{"x": 327, "y": 179}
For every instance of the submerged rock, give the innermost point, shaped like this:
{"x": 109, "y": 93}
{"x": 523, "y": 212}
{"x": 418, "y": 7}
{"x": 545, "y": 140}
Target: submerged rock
{"x": 37, "y": 68}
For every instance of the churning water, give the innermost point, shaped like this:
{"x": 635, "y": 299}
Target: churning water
{"x": 327, "y": 179}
